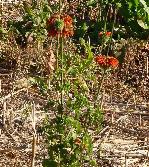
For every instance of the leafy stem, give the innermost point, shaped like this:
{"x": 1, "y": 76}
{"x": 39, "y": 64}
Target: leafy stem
{"x": 57, "y": 51}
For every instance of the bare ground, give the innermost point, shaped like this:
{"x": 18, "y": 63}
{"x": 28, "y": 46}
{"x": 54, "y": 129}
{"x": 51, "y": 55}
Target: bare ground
{"x": 122, "y": 142}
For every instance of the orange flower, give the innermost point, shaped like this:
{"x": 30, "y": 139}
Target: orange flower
{"x": 113, "y": 62}
{"x": 107, "y": 34}
{"x": 67, "y": 20}
{"x": 101, "y": 60}
{"x": 60, "y": 25}
{"x": 106, "y": 62}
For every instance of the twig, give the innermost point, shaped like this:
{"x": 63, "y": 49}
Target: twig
{"x": 4, "y": 112}
{"x": 34, "y": 137}
{"x": 0, "y": 85}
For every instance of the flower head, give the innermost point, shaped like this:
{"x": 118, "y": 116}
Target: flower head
{"x": 101, "y": 60}
{"x": 113, "y": 62}
{"x": 107, "y": 61}
{"x": 60, "y": 25}
{"x": 107, "y": 34}
{"x": 67, "y": 20}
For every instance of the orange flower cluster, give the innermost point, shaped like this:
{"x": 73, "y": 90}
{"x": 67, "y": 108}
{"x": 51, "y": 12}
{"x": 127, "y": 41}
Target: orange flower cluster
{"x": 60, "y": 25}
{"x": 106, "y": 62}
{"x": 107, "y": 34}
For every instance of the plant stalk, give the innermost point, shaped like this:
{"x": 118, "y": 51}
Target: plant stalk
{"x": 100, "y": 86}
{"x": 62, "y": 72}
{"x": 109, "y": 44}
{"x": 57, "y": 51}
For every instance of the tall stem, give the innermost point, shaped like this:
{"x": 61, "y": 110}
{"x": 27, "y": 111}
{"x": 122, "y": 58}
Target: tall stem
{"x": 109, "y": 44}
{"x": 60, "y": 5}
{"x": 57, "y": 51}
{"x": 61, "y": 94}
{"x": 100, "y": 10}
{"x": 104, "y": 29}
{"x": 60, "y": 40}
{"x": 100, "y": 86}
{"x": 62, "y": 72}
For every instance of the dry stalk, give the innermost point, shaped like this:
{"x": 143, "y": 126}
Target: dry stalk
{"x": 34, "y": 137}
{"x": 4, "y": 113}
{"x": 147, "y": 66}
{"x": 0, "y": 86}
{"x": 140, "y": 120}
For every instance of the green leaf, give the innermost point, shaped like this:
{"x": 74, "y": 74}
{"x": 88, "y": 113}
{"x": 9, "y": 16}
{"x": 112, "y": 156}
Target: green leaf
{"x": 130, "y": 5}
{"x": 83, "y": 83}
{"x": 146, "y": 8}
{"x": 91, "y": 2}
{"x": 118, "y": 5}
{"x": 49, "y": 163}
{"x": 136, "y": 2}
{"x": 143, "y": 24}
{"x": 88, "y": 48}
{"x": 28, "y": 9}
{"x": 93, "y": 163}
{"x": 87, "y": 140}
{"x": 84, "y": 27}
{"x": 47, "y": 9}
{"x": 2, "y": 31}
